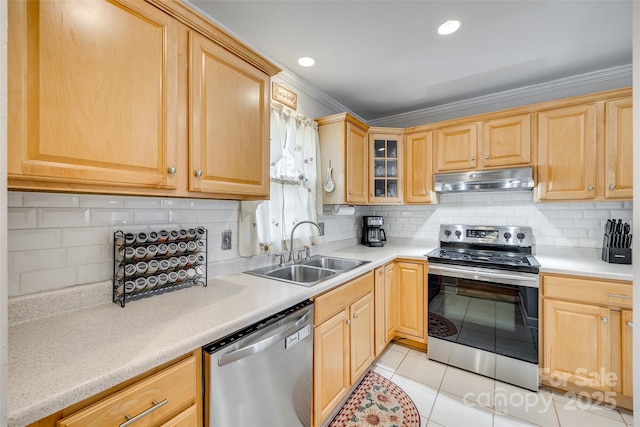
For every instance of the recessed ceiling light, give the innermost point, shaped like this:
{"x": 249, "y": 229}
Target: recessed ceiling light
{"x": 306, "y": 61}
{"x": 449, "y": 27}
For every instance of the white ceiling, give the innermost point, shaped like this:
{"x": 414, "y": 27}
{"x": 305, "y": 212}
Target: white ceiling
{"x": 381, "y": 58}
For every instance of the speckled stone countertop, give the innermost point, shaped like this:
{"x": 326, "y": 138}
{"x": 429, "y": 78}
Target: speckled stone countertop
{"x": 59, "y": 360}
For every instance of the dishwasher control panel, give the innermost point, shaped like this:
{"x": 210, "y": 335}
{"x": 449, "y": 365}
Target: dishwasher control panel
{"x": 296, "y": 337}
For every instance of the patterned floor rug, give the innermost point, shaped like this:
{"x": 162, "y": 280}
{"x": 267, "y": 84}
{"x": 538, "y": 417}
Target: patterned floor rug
{"x": 440, "y": 326}
{"x": 377, "y": 402}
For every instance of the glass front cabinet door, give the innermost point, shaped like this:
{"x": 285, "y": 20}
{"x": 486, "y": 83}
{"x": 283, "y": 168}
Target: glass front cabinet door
{"x": 385, "y": 165}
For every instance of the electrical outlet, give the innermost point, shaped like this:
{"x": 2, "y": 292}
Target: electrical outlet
{"x": 226, "y": 240}
{"x": 321, "y": 224}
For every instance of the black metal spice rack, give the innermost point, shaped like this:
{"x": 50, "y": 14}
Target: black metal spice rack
{"x": 150, "y": 263}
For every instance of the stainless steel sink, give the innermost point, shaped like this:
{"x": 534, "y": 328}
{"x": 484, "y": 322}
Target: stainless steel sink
{"x": 301, "y": 273}
{"x": 308, "y": 273}
{"x": 338, "y": 264}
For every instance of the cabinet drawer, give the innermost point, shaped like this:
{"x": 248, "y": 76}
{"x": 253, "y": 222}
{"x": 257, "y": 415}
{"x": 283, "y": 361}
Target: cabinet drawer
{"x": 176, "y": 384}
{"x": 617, "y": 294}
{"x": 186, "y": 418}
{"x": 332, "y": 302}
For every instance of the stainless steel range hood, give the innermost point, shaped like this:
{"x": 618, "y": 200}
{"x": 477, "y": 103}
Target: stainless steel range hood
{"x": 489, "y": 180}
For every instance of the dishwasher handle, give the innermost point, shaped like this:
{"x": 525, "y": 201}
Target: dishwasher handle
{"x": 247, "y": 351}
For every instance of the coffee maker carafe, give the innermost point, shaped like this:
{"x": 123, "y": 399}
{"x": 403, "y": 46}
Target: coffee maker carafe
{"x": 372, "y": 232}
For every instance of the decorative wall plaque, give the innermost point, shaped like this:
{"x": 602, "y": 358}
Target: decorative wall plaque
{"x": 284, "y": 95}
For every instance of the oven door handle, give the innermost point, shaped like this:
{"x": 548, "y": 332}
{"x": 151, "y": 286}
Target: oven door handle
{"x": 483, "y": 273}
{"x": 243, "y": 352}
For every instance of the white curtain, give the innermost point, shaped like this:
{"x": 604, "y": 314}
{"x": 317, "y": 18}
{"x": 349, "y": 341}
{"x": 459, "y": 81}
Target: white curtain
{"x": 294, "y": 171}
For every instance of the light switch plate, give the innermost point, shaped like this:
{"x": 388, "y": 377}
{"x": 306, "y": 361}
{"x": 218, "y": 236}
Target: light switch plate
{"x": 321, "y": 224}
{"x": 226, "y": 240}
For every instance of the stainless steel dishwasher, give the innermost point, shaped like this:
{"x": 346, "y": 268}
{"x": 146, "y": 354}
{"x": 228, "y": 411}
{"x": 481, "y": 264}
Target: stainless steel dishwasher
{"x": 262, "y": 375}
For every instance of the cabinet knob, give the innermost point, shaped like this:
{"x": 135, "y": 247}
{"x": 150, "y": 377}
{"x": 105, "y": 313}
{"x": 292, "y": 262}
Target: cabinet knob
{"x": 198, "y": 172}
{"x": 348, "y": 321}
{"x": 350, "y": 192}
{"x": 605, "y": 320}
{"x": 630, "y": 324}
{"x": 487, "y": 157}
{"x": 612, "y": 187}
{"x": 371, "y": 194}
{"x": 355, "y": 315}
{"x": 473, "y": 159}
{"x": 171, "y": 170}
{"x": 590, "y": 188}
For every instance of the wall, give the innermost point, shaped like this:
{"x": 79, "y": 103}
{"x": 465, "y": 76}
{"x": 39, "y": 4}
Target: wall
{"x": 578, "y": 224}
{"x": 60, "y": 240}
{"x": 3, "y": 214}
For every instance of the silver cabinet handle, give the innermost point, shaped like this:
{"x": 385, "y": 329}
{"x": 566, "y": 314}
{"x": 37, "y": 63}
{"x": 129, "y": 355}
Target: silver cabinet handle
{"x": 171, "y": 170}
{"x": 355, "y": 315}
{"x": 198, "y": 172}
{"x": 348, "y": 321}
{"x": 605, "y": 320}
{"x": 612, "y": 187}
{"x": 618, "y": 296}
{"x": 473, "y": 159}
{"x": 156, "y": 405}
{"x": 487, "y": 157}
{"x": 590, "y": 188}
{"x": 630, "y": 324}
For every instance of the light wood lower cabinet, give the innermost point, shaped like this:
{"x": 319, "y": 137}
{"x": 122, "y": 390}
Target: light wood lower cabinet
{"x": 587, "y": 337}
{"x": 343, "y": 342}
{"x": 386, "y": 303}
{"x": 411, "y": 300}
{"x": 169, "y": 395}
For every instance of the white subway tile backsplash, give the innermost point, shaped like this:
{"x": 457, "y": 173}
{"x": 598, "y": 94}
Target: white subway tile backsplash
{"x": 182, "y": 216}
{"x": 86, "y": 236}
{"x": 13, "y": 280}
{"x": 175, "y": 204}
{"x": 211, "y": 215}
{"x": 90, "y": 273}
{"x": 80, "y": 255}
{"x": 43, "y": 280}
{"x": 227, "y": 204}
{"x": 202, "y": 204}
{"x": 142, "y": 202}
{"x": 34, "y": 239}
{"x": 63, "y": 217}
{"x": 14, "y": 199}
{"x": 52, "y": 200}
{"x": 151, "y": 216}
{"x": 111, "y": 217}
{"x": 24, "y": 261}
{"x": 91, "y": 201}
{"x": 22, "y": 218}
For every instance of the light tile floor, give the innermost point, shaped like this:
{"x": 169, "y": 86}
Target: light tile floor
{"x": 449, "y": 397}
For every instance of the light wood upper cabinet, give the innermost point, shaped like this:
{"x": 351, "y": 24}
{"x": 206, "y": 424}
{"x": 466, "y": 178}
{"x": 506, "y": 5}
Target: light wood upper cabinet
{"x": 385, "y": 165}
{"x": 344, "y": 148}
{"x": 618, "y": 182}
{"x": 506, "y": 141}
{"x": 418, "y": 178}
{"x": 92, "y": 94}
{"x": 457, "y": 147}
{"x": 567, "y": 153}
{"x": 229, "y": 122}
{"x": 357, "y": 143}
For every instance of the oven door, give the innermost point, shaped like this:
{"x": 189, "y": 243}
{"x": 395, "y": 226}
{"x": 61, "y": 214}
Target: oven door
{"x": 481, "y": 319}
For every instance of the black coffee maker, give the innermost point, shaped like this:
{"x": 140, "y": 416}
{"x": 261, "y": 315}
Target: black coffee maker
{"x": 372, "y": 232}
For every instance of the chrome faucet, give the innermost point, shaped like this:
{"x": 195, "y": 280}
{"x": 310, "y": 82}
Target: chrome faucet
{"x": 291, "y": 256}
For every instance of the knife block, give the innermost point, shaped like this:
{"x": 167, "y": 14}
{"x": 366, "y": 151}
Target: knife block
{"x": 615, "y": 255}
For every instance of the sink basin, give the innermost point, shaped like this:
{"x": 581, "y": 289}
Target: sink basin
{"x": 339, "y": 264}
{"x": 301, "y": 273}
{"x": 308, "y": 273}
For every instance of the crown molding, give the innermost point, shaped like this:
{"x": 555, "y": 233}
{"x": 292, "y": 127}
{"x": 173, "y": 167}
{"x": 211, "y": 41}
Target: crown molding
{"x": 425, "y": 115}
{"x": 293, "y": 80}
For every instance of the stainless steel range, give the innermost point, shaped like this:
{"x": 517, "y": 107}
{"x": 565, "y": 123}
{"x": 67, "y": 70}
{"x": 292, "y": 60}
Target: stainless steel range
{"x": 483, "y": 302}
